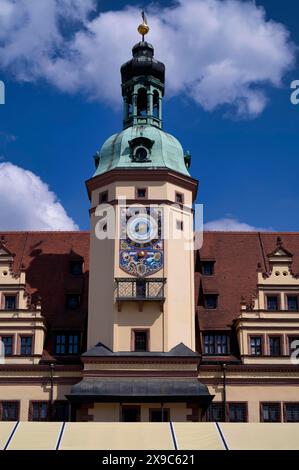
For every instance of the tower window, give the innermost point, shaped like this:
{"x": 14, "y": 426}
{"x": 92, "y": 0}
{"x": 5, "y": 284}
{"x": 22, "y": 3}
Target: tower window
{"x": 275, "y": 346}
{"x": 103, "y": 197}
{"x": 10, "y": 302}
{"x": 207, "y": 268}
{"x": 142, "y": 102}
{"x": 140, "y": 340}
{"x": 292, "y": 303}
{"x": 141, "y": 193}
{"x": 140, "y": 288}
{"x": 179, "y": 198}
{"x": 76, "y": 267}
{"x": 211, "y": 301}
{"x": 272, "y": 302}
{"x": 141, "y": 154}
{"x": 130, "y": 105}
{"x": 256, "y": 346}
{"x": 180, "y": 225}
{"x": 156, "y": 104}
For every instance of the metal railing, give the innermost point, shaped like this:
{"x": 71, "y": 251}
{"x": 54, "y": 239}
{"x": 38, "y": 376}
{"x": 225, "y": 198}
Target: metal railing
{"x": 140, "y": 289}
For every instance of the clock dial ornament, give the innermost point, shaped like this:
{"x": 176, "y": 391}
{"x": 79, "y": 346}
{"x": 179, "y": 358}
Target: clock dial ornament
{"x": 141, "y": 244}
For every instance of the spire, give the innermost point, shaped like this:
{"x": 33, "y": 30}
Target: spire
{"x": 143, "y": 28}
{"x": 143, "y": 80}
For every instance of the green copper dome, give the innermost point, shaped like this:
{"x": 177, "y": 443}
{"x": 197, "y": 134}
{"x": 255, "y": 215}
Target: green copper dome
{"x": 138, "y": 147}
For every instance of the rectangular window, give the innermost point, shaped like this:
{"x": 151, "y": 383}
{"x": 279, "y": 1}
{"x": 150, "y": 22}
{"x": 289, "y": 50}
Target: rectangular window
{"x": 26, "y": 346}
{"x": 140, "y": 341}
{"x": 272, "y": 302}
{"x": 103, "y": 197}
{"x": 256, "y": 346}
{"x": 270, "y": 412}
{"x": 211, "y": 301}
{"x": 207, "y": 268}
{"x": 237, "y": 412}
{"x": 8, "y": 345}
{"x": 60, "y": 344}
{"x": 180, "y": 225}
{"x": 61, "y": 411}
{"x": 9, "y": 411}
{"x": 73, "y": 301}
{"x": 130, "y": 414}
{"x": 275, "y": 346}
{"x": 39, "y": 410}
{"x": 66, "y": 344}
{"x": 291, "y": 412}
{"x": 215, "y": 412}
{"x": 10, "y": 302}
{"x": 73, "y": 344}
{"x": 179, "y": 198}
{"x": 293, "y": 344}
{"x": 156, "y": 415}
{"x": 141, "y": 193}
{"x": 292, "y": 303}
{"x": 216, "y": 344}
{"x": 76, "y": 267}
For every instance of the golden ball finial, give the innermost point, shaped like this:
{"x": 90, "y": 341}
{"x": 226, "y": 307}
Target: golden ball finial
{"x": 143, "y": 28}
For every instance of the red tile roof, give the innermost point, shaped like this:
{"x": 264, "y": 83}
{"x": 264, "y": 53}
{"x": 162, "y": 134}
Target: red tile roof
{"x": 46, "y": 256}
{"x": 236, "y": 256}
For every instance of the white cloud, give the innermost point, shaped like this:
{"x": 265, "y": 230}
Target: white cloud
{"x": 26, "y": 203}
{"x": 217, "y": 52}
{"x": 231, "y": 225}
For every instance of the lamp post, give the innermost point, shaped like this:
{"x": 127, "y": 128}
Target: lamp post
{"x": 224, "y": 391}
{"x": 52, "y": 366}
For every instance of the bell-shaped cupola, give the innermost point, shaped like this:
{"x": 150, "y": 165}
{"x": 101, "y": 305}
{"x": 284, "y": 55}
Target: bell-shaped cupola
{"x": 143, "y": 82}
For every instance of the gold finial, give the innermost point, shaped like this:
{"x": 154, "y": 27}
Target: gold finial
{"x": 143, "y": 28}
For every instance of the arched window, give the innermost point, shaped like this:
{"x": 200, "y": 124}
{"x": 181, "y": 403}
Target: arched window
{"x": 142, "y": 102}
{"x": 156, "y": 104}
{"x": 130, "y": 105}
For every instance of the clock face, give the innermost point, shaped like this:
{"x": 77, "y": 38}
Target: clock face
{"x": 141, "y": 243}
{"x": 142, "y": 228}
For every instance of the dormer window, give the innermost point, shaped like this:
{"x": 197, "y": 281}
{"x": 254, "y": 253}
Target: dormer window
{"x": 211, "y": 301}
{"x": 73, "y": 301}
{"x": 141, "y": 149}
{"x": 207, "y": 268}
{"x": 10, "y": 302}
{"x": 76, "y": 267}
{"x": 141, "y": 154}
{"x": 272, "y": 303}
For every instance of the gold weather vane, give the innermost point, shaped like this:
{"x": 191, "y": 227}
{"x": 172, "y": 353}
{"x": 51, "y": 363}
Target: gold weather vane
{"x": 143, "y": 28}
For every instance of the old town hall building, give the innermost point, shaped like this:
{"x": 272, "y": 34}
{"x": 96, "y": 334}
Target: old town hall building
{"x": 128, "y": 322}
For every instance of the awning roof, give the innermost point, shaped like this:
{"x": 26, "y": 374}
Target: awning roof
{"x": 145, "y": 389}
{"x": 148, "y": 436}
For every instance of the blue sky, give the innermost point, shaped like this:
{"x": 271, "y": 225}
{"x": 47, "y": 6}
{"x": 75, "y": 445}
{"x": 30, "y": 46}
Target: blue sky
{"x": 247, "y": 165}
